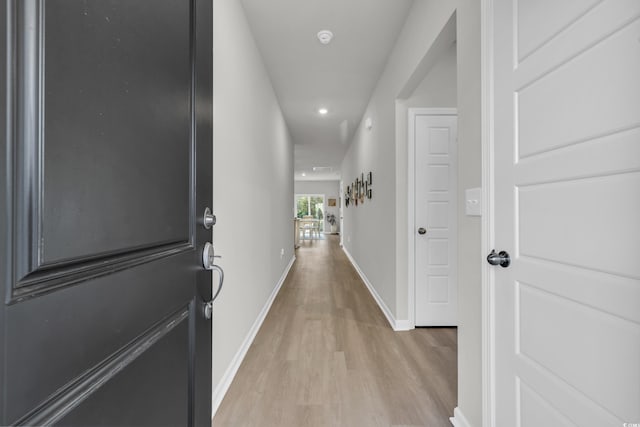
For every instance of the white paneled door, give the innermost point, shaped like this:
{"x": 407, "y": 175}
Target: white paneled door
{"x": 566, "y": 152}
{"x": 435, "y": 228}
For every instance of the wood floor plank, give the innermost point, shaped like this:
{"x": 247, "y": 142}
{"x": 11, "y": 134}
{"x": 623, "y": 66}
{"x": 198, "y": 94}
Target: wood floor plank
{"x": 326, "y": 356}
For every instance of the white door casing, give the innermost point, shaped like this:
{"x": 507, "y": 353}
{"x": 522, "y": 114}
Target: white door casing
{"x": 433, "y": 206}
{"x": 341, "y": 211}
{"x": 562, "y": 166}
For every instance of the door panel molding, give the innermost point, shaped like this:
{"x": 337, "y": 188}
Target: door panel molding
{"x": 81, "y": 388}
{"x": 43, "y": 281}
{"x": 25, "y": 99}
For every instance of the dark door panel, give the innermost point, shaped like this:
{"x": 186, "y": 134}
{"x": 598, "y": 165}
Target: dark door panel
{"x": 106, "y": 171}
{"x": 51, "y": 348}
{"x": 122, "y": 389}
{"x": 117, "y": 97}
{"x": 130, "y": 389}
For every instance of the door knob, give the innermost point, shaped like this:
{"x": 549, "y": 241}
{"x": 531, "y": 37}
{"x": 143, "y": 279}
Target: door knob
{"x": 502, "y": 259}
{"x": 422, "y": 230}
{"x": 208, "y": 219}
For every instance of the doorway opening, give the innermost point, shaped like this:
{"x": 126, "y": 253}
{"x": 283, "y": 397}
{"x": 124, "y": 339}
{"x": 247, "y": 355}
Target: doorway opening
{"x": 433, "y": 215}
{"x": 432, "y": 182}
{"x": 311, "y": 206}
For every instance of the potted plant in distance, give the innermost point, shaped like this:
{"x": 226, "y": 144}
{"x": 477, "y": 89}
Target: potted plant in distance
{"x": 331, "y": 219}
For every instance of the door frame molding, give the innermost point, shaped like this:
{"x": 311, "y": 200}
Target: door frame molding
{"x": 341, "y": 212}
{"x": 411, "y": 204}
{"x": 488, "y": 212}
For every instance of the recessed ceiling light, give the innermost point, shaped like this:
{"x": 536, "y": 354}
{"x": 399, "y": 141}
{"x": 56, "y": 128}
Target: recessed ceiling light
{"x": 325, "y": 36}
{"x": 323, "y": 111}
{"x": 304, "y": 174}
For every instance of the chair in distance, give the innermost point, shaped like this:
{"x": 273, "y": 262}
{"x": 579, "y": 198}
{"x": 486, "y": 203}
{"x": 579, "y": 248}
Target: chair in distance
{"x": 309, "y": 226}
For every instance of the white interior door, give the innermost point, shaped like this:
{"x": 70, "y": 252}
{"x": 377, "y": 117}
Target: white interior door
{"x": 567, "y": 209}
{"x": 435, "y": 231}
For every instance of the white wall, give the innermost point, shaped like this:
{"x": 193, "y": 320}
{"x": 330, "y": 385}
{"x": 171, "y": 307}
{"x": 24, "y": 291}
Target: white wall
{"x": 253, "y": 183}
{"x": 383, "y": 150}
{"x": 470, "y": 256}
{"x": 438, "y": 89}
{"x": 330, "y": 189}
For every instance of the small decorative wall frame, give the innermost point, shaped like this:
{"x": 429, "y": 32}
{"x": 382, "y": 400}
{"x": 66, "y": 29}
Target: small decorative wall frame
{"x": 359, "y": 190}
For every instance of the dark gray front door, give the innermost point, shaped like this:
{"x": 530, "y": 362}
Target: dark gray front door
{"x": 105, "y": 170}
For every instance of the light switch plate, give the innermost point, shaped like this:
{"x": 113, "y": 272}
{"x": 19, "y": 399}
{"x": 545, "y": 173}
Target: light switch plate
{"x": 472, "y": 201}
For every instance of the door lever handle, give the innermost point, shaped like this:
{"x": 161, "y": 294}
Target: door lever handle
{"x": 208, "y": 262}
{"x": 208, "y": 306}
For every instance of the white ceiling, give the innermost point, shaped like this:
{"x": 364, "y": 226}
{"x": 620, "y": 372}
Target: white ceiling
{"x": 340, "y": 76}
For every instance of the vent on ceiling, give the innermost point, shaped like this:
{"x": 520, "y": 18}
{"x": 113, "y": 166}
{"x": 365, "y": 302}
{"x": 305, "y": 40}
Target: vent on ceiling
{"x": 322, "y": 169}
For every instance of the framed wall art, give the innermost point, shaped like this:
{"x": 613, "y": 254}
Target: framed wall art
{"x": 359, "y": 190}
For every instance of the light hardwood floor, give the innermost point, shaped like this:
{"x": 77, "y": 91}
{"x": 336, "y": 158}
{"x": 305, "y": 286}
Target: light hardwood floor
{"x": 326, "y": 356}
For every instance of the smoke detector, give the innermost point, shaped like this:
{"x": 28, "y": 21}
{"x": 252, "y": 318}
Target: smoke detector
{"x": 325, "y": 36}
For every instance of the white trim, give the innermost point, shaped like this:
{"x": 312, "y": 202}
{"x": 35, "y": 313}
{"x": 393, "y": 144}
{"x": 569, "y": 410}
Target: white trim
{"x": 403, "y": 325}
{"x": 396, "y": 325}
{"x": 488, "y": 206}
{"x": 458, "y": 419}
{"x": 411, "y": 218}
{"x": 341, "y": 213}
{"x": 411, "y": 203}
{"x": 225, "y": 382}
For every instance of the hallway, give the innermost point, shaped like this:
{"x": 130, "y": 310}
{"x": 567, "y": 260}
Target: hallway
{"x": 326, "y": 356}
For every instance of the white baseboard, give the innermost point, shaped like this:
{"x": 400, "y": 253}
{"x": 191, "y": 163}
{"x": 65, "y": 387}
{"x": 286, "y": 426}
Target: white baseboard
{"x": 458, "y": 419}
{"x": 225, "y": 382}
{"x": 396, "y": 324}
{"x": 404, "y": 325}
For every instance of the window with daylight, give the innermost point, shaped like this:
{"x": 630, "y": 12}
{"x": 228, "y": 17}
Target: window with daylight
{"x": 311, "y": 206}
